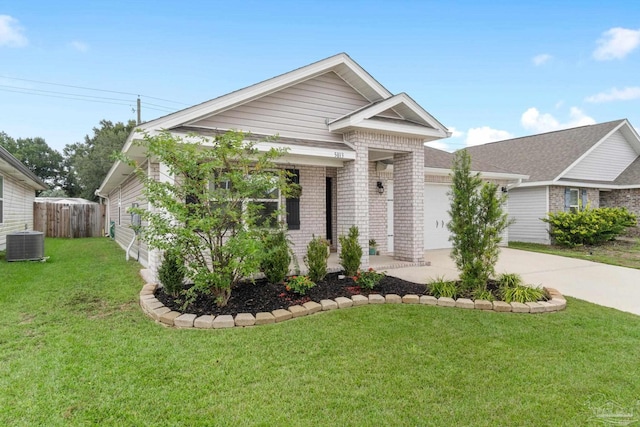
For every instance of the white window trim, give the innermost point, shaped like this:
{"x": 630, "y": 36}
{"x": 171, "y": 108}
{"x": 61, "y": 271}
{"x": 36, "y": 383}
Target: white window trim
{"x": 576, "y": 207}
{"x": 277, "y": 199}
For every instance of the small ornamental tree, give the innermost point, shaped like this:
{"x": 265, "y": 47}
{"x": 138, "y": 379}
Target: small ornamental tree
{"x": 219, "y": 194}
{"x": 476, "y": 225}
{"x": 351, "y": 251}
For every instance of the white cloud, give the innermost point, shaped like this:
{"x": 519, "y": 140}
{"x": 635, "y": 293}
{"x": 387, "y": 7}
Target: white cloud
{"x": 616, "y": 43}
{"x": 484, "y": 134}
{"x": 79, "y": 46}
{"x": 455, "y": 133}
{"x": 534, "y": 121}
{"x": 11, "y": 33}
{"x": 615, "y": 94}
{"x": 541, "y": 59}
{"x": 439, "y": 144}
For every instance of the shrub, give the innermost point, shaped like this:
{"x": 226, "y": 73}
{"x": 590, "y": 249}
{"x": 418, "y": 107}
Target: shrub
{"x": 483, "y": 294}
{"x": 351, "y": 251}
{"x": 276, "y": 256}
{"x": 477, "y": 223}
{"x": 369, "y": 279}
{"x": 522, "y": 294}
{"x": 171, "y": 273}
{"x": 316, "y": 258}
{"x": 299, "y": 284}
{"x": 509, "y": 280}
{"x": 443, "y": 288}
{"x": 589, "y": 226}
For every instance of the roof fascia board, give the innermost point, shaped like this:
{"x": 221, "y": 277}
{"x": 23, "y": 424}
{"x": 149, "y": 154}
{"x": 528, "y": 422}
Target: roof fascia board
{"x": 580, "y": 184}
{"x": 401, "y": 129}
{"x": 589, "y": 151}
{"x": 394, "y": 101}
{"x": 491, "y": 175}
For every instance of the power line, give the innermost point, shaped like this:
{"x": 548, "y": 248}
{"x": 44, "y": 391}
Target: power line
{"x": 65, "y": 97}
{"x": 62, "y": 93}
{"x": 89, "y": 88}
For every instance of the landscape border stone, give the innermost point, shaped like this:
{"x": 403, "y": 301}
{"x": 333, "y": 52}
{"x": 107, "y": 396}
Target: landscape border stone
{"x": 153, "y": 308}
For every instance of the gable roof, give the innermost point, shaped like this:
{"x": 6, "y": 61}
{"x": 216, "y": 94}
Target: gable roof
{"x": 11, "y": 166}
{"x": 544, "y": 157}
{"x": 415, "y": 120}
{"x": 409, "y": 118}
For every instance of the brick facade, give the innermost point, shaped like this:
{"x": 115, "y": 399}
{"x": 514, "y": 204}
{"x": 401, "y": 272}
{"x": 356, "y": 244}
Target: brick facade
{"x": 312, "y": 209}
{"x": 556, "y": 198}
{"x": 629, "y": 198}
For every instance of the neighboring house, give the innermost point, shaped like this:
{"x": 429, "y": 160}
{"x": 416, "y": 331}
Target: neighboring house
{"x": 357, "y": 149}
{"x": 596, "y": 165}
{"x": 18, "y": 186}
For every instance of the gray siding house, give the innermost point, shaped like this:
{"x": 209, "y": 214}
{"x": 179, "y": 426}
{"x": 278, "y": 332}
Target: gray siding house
{"x": 595, "y": 165}
{"x": 18, "y": 186}
{"x": 357, "y": 149}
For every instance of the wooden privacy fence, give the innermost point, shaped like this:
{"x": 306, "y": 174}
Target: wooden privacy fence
{"x": 69, "y": 220}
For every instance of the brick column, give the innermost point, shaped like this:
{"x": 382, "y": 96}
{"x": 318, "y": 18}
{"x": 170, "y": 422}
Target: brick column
{"x": 408, "y": 205}
{"x": 353, "y": 199}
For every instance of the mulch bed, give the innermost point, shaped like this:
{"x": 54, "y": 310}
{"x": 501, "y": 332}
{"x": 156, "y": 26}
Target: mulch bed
{"x": 263, "y": 296}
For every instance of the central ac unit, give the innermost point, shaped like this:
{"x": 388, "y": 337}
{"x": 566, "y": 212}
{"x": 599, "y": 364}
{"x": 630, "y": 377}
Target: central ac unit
{"x": 25, "y": 246}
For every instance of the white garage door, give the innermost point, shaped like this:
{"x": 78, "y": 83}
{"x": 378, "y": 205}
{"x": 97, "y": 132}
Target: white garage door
{"x": 436, "y": 205}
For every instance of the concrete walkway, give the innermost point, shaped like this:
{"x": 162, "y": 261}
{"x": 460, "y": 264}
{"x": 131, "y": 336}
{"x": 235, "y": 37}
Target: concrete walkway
{"x": 607, "y": 285}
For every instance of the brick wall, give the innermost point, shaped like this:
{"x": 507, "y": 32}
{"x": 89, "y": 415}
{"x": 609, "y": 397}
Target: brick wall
{"x": 408, "y": 191}
{"x": 629, "y": 199}
{"x": 377, "y": 210}
{"x": 556, "y": 198}
{"x": 312, "y": 209}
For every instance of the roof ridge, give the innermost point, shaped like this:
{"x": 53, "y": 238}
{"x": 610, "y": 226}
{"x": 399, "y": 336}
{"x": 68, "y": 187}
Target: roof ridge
{"x": 546, "y": 133}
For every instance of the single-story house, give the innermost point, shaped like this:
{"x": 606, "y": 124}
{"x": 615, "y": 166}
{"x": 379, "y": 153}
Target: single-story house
{"x": 18, "y": 186}
{"x": 357, "y": 149}
{"x": 596, "y": 165}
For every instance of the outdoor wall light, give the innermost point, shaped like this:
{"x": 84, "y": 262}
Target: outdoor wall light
{"x": 505, "y": 189}
{"x": 380, "y": 187}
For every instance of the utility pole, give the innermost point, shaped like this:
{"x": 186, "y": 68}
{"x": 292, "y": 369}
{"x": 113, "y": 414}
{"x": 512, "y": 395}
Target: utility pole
{"x": 138, "y": 109}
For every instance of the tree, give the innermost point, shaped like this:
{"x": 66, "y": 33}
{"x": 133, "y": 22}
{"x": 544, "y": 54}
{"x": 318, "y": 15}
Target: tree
{"x": 87, "y": 163}
{"x": 207, "y": 211}
{"x": 476, "y": 225}
{"x": 36, "y": 155}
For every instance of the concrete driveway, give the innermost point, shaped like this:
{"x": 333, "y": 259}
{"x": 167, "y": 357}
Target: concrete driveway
{"x": 607, "y": 285}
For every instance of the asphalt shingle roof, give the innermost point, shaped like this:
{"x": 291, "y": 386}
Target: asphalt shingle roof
{"x": 434, "y": 158}
{"x": 543, "y": 157}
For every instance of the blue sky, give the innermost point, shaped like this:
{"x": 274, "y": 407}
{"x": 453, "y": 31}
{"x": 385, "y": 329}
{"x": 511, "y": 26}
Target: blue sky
{"x": 486, "y": 70}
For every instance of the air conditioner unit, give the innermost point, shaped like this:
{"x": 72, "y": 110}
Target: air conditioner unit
{"x": 25, "y": 246}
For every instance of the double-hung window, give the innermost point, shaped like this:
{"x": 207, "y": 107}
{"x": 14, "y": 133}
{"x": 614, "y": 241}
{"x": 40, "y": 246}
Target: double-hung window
{"x": 266, "y": 202}
{"x": 575, "y": 199}
{"x": 1, "y": 199}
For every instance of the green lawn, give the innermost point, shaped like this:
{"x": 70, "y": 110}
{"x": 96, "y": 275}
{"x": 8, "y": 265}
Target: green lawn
{"x": 625, "y": 253}
{"x": 75, "y": 349}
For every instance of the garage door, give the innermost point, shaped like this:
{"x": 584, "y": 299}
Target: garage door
{"x": 436, "y": 205}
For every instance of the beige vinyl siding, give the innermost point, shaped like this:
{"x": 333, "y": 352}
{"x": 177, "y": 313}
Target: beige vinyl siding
{"x": 605, "y": 162}
{"x": 300, "y": 111}
{"x": 18, "y": 200}
{"x": 526, "y": 207}
{"x": 129, "y": 192}
{"x": 389, "y": 113}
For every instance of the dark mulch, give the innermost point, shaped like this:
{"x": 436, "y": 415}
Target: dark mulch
{"x": 262, "y": 296}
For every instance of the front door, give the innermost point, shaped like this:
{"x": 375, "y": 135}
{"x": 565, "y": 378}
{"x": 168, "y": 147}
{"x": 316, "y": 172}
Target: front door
{"x": 388, "y": 189}
{"x": 329, "y": 195}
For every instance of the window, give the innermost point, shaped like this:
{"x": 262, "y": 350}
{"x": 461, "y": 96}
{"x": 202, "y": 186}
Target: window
{"x": 1, "y": 199}
{"x": 575, "y": 199}
{"x": 263, "y": 203}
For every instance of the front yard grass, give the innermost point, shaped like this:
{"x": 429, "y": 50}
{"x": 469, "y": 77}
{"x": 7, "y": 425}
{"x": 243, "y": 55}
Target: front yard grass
{"x": 624, "y": 253}
{"x": 75, "y": 349}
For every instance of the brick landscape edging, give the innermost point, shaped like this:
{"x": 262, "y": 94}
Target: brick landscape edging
{"x": 158, "y": 312}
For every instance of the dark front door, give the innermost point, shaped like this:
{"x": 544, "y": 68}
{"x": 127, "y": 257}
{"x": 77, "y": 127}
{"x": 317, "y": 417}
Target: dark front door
{"x": 328, "y": 210}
